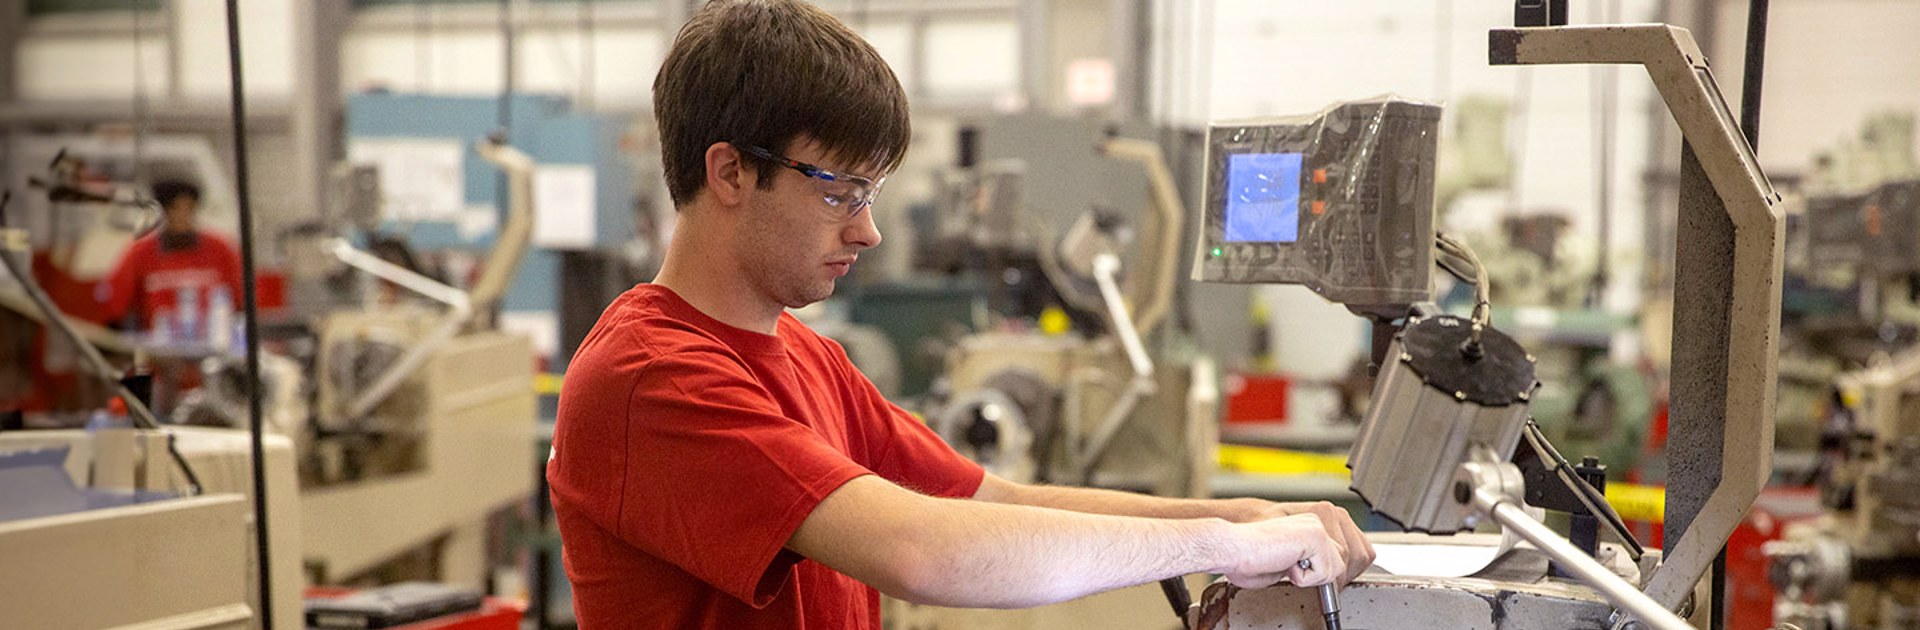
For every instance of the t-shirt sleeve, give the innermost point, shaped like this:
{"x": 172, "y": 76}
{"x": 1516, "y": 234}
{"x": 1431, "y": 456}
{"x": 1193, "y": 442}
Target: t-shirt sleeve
{"x": 716, "y": 479}
{"x": 917, "y": 458}
{"x": 910, "y": 453}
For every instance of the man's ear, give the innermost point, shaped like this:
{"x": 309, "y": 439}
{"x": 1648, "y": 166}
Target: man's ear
{"x": 728, "y": 177}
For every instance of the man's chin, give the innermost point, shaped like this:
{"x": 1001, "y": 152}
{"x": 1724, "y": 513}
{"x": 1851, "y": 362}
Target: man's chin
{"x": 809, "y": 297}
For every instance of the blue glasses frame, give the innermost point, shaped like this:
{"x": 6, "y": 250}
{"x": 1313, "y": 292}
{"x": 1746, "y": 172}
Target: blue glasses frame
{"x": 852, "y": 192}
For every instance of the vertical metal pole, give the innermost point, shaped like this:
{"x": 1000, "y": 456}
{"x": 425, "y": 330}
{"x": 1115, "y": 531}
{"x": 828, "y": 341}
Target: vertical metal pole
{"x": 540, "y": 602}
{"x": 316, "y": 99}
{"x": 1037, "y": 58}
{"x": 1756, "y": 65}
{"x": 13, "y": 24}
{"x": 239, "y": 107}
{"x": 1130, "y": 49}
{"x": 501, "y": 192}
{"x": 1606, "y": 100}
{"x": 174, "y": 65}
{"x": 673, "y": 15}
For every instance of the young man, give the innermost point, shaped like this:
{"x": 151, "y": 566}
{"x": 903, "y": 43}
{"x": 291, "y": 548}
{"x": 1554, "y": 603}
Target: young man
{"x": 719, "y": 465}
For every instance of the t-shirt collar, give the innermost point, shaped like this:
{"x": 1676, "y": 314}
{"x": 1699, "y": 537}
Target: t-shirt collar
{"x": 739, "y": 339}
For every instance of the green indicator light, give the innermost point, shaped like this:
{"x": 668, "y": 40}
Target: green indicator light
{"x": 1216, "y": 252}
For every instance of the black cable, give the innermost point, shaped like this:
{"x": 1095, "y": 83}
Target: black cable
{"x": 238, "y": 93}
{"x": 137, "y": 411}
{"x": 1175, "y": 588}
{"x": 1756, "y": 65}
{"x": 1591, "y": 497}
{"x": 1588, "y": 495}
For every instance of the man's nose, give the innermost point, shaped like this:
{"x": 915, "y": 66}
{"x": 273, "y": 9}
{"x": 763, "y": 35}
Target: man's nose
{"x": 863, "y": 232}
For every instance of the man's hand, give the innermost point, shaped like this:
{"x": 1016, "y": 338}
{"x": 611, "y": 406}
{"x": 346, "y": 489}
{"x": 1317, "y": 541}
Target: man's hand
{"x": 1356, "y": 553}
{"x": 1272, "y": 549}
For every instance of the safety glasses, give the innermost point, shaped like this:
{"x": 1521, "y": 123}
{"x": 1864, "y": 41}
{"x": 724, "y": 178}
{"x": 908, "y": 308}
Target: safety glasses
{"x": 848, "y": 193}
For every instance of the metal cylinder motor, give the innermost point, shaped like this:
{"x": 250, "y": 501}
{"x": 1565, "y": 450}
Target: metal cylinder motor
{"x": 1445, "y": 396}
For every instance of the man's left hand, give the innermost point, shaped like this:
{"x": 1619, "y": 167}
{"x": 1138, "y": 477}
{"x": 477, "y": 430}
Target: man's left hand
{"x": 1339, "y": 525}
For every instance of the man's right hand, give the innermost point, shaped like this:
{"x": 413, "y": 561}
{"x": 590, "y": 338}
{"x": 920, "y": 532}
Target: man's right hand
{"x": 1273, "y": 548}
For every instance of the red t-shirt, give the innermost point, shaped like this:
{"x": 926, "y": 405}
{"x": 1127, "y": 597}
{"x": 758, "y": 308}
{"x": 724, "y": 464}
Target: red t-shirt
{"x": 687, "y": 453}
{"x": 148, "y": 276}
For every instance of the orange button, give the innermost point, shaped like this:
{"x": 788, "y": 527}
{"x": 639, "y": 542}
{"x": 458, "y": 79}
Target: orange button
{"x": 1319, "y": 206}
{"x": 1319, "y": 176}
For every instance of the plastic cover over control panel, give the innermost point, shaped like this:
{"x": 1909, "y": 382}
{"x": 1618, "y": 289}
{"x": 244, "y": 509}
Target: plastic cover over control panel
{"x": 1340, "y": 201}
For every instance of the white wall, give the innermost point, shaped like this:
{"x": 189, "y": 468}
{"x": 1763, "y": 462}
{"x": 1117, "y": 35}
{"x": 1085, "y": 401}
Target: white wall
{"x": 46, "y": 68}
{"x": 1829, "y": 64}
{"x": 972, "y": 57}
{"x": 266, "y": 47}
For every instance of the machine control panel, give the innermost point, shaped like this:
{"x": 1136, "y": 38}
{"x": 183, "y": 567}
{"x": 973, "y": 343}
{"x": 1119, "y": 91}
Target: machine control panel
{"x": 1340, "y": 202}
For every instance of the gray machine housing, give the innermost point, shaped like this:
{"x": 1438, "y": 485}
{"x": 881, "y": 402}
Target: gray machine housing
{"x": 1436, "y": 406}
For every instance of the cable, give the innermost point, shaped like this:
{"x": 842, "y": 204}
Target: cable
{"x": 137, "y": 411}
{"x": 1482, "y": 306}
{"x": 1589, "y": 496}
{"x": 238, "y": 94}
{"x": 1750, "y": 82}
{"x": 1595, "y": 502}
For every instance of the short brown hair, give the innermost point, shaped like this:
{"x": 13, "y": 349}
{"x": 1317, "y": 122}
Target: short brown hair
{"x": 765, "y": 72}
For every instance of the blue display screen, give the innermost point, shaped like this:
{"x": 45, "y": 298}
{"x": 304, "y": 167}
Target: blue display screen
{"x": 1263, "y": 197}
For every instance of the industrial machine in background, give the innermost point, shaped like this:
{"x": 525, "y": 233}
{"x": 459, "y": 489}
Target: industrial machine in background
{"x": 1438, "y": 453}
{"x": 1114, "y": 408}
{"x": 416, "y": 397}
{"x": 172, "y": 505}
{"x": 1859, "y": 565}
{"x": 1856, "y": 566}
{"x": 1851, "y": 332}
{"x": 102, "y": 529}
{"x": 1103, "y": 390}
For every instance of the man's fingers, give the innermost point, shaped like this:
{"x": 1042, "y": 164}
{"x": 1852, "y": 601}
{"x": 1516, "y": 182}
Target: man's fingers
{"x": 1318, "y": 574}
{"x": 1258, "y": 580}
{"x": 1360, "y": 552}
{"x": 1357, "y": 551}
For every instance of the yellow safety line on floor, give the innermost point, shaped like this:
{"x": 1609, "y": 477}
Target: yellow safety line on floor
{"x": 1633, "y": 502}
{"x": 546, "y": 384}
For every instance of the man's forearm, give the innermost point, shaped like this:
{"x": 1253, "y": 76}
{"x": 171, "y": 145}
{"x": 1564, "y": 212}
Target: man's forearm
{"x": 1098, "y": 501}
{"x": 1006, "y": 556}
{"x": 978, "y": 554}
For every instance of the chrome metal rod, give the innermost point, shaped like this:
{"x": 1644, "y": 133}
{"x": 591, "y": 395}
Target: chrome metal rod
{"x": 1623, "y": 595}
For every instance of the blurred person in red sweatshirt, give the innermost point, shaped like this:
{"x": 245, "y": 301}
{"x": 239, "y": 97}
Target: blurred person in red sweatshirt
{"x": 175, "y": 263}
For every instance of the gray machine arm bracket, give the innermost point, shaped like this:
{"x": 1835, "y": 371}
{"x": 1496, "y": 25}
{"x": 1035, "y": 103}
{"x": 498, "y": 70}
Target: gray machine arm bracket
{"x": 1727, "y": 290}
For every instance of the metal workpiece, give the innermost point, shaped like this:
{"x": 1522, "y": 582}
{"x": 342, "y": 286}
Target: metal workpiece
{"x": 1727, "y": 290}
{"x": 1436, "y": 408}
{"x": 1377, "y": 601}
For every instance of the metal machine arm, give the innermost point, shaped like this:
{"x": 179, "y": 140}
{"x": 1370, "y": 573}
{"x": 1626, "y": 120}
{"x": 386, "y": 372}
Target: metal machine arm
{"x": 1493, "y": 488}
{"x": 1727, "y": 281}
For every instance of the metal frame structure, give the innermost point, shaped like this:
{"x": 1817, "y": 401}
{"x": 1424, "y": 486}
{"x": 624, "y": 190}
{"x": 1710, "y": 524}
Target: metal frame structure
{"x": 1727, "y": 280}
{"x": 1727, "y": 273}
